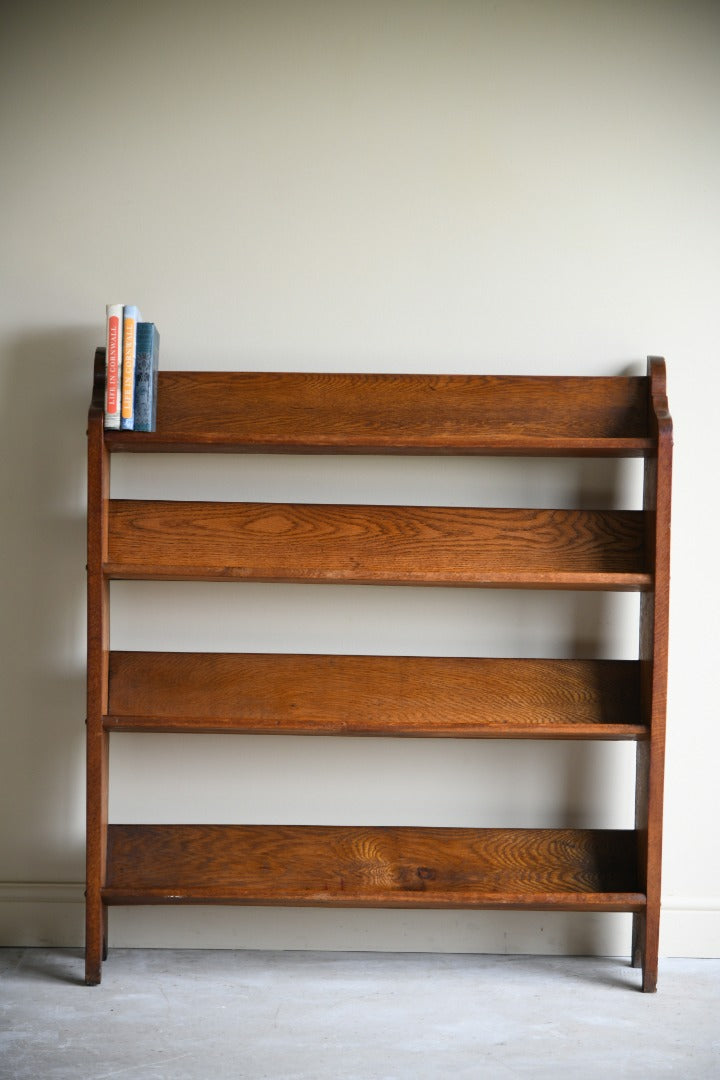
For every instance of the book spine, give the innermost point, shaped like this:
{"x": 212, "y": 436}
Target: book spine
{"x": 113, "y": 364}
{"x": 146, "y": 374}
{"x": 131, "y": 317}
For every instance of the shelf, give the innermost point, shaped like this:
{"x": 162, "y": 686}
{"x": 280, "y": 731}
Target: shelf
{"x": 391, "y": 545}
{"x": 565, "y": 869}
{"x": 414, "y": 414}
{"x": 265, "y": 693}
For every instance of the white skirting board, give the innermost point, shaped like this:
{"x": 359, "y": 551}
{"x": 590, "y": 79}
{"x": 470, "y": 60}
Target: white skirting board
{"x": 52, "y": 914}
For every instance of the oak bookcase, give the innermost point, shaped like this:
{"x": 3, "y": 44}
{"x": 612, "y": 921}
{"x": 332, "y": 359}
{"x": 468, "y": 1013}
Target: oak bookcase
{"x": 219, "y": 412}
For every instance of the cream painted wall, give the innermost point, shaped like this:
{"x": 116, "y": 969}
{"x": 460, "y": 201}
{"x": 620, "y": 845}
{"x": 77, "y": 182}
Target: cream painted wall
{"x": 469, "y": 187}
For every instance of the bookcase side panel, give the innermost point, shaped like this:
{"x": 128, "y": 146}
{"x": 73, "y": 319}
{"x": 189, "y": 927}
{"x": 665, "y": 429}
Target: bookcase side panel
{"x": 654, "y": 616}
{"x": 98, "y": 490}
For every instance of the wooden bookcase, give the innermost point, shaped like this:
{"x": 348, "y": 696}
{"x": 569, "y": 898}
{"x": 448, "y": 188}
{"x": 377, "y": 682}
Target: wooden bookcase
{"x": 545, "y": 869}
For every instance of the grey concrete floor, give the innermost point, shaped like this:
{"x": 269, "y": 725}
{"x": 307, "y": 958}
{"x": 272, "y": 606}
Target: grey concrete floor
{"x": 210, "y": 1015}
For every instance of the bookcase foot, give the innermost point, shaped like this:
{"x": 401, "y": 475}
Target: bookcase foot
{"x": 95, "y": 943}
{"x": 638, "y": 921}
{"x": 93, "y": 970}
{"x": 645, "y": 950}
{"x": 104, "y": 932}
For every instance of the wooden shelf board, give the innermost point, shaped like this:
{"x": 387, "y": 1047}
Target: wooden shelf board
{"x": 391, "y": 545}
{"x": 140, "y": 442}
{"x": 365, "y": 413}
{"x": 265, "y": 693}
{"x": 564, "y": 869}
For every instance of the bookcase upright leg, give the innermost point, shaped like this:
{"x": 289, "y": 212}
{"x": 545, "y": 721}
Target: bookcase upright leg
{"x": 96, "y": 916}
{"x": 645, "y": 948}
{"x": 98, "y": 490}
{"x": 650, "y": 957}
{"x": 654, "y": 608}
{"x": 95, "y": 938}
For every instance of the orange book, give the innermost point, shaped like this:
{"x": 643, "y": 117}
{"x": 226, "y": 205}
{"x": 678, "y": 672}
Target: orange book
{"x": 113, "y": 364}
{"x": 131, "y": 317}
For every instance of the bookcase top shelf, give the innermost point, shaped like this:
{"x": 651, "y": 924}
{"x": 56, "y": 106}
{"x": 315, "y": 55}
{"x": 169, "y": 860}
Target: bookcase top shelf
{"x": 331, "y": 413}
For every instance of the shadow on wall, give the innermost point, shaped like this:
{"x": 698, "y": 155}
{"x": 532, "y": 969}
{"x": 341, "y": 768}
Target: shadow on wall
{"x": 42, "y": 648}
{"x": 42, "y": 654}
{"x": 592, "y": 771}
{"x": 590, "y": 775}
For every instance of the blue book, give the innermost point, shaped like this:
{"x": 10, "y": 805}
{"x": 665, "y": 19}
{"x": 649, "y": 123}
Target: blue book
{"x": 146, "y": 377}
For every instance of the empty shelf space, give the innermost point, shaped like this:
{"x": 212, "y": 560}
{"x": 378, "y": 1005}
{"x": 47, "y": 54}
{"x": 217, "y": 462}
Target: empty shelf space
{"x": 374, "y": 695}
{"x": 391, "y": 545}
{"x": 364, "y": 413}
{"x": 566, "y": 869}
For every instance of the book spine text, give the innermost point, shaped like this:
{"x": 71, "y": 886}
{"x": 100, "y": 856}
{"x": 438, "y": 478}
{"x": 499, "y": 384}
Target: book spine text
{"x": 146, "y": 373}
{"x": 131, "y": 317}
{"x": 113, "y": 364}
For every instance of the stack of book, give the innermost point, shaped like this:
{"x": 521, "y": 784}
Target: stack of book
{"x": 131, "y": 366}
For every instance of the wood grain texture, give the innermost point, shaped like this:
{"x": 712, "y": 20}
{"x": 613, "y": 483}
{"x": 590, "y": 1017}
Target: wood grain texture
{"x": 363, "y": 413}
{"x": 654, "y": 626}
{"x": 98, "y": 631}
{"x": 374, "y": 695}
{"x": 577, "y": 549}
{"x": 561, "y": 869}
{"x": 378, "y": 867}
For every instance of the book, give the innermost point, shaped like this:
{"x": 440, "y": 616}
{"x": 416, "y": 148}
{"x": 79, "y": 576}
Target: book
{"x": 131, "y": 317}
{"x": 113, "y": 364}
{"x": 146, "y": 376}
